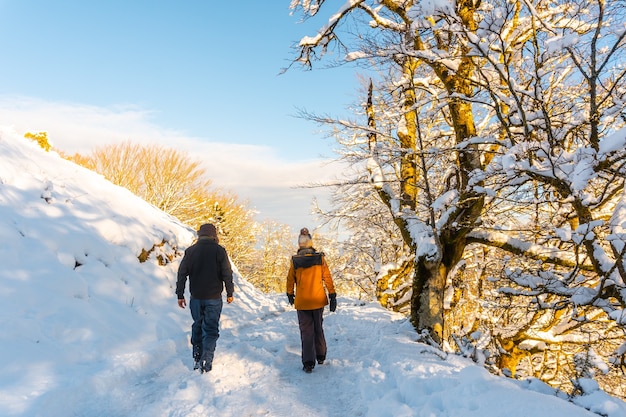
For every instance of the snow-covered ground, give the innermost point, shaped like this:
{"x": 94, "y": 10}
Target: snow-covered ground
{"x": 87, "y": 330}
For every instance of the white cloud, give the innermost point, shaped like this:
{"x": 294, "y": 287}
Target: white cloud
{"x": 253, "y": 172}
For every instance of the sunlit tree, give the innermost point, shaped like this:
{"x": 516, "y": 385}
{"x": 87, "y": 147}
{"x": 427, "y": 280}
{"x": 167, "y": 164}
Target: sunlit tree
{"x": 175, "y": 183}
{"x": 493, "y": 134}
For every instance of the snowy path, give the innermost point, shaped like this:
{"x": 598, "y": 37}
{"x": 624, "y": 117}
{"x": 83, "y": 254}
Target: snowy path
{"x": 374, "y": 368}
{"x": 257, "y": 372}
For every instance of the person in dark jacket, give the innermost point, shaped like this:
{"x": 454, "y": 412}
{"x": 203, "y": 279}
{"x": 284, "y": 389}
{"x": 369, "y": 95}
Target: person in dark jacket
{"x": 310, "y": 276}
{"x": 207, "y": 265}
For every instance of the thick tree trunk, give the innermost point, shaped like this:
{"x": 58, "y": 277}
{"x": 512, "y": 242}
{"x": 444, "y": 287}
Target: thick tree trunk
{"x": 429, "y": 287}
{"x": 427, "y": 302}
{"x": 429, "y": 283}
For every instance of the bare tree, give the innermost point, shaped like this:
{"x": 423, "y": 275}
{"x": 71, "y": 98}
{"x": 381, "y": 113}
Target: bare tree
{"x": 167, "y": 178}
{"x": 273, "y": 250}
{"x": 403, "y": 39}
{"x": 172, "y": 181}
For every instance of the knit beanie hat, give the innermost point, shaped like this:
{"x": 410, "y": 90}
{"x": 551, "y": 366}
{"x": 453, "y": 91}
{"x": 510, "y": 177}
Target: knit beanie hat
{"x": 209, "y": 230}
{"x": 304, "y": 240}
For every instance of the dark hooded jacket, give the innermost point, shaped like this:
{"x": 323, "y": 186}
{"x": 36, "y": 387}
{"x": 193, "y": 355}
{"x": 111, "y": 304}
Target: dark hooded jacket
{"x": 207, "y": 265}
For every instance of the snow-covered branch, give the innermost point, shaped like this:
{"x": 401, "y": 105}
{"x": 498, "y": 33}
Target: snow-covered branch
{"x": 546, "y": 254}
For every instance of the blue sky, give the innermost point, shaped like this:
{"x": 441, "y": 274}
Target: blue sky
{"x": 199, "y": 75}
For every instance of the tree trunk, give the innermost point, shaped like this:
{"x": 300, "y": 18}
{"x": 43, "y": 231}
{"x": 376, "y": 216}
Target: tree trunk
{"x": 427, "y": 302}
{"x": 429, "y": 283}
{"x": 429, "y": 286}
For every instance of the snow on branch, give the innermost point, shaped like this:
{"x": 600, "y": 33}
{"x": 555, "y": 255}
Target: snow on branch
{"x": 520, "y": 247}
{"x": 326, "y": 34}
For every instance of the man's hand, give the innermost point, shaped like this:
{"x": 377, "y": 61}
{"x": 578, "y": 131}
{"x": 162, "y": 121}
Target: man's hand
{"x": 229, "y": 299}
{"x": 182, "y": 303}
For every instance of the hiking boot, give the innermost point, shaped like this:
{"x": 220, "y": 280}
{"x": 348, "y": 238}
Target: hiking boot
{"x": 307, "y": 368}
{"x": 206, "y": 367}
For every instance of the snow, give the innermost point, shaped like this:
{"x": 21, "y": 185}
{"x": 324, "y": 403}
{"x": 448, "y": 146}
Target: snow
{"x": 614, "y": 142}
{"x": 88, "y": 330}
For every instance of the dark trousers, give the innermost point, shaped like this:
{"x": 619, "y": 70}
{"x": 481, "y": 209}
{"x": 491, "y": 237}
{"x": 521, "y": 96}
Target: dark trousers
{"x": 205, "y": 328}
{"x": 312, "y": 335}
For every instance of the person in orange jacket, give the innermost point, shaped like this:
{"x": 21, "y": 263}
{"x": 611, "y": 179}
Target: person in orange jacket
{"x": 310, "y": 276}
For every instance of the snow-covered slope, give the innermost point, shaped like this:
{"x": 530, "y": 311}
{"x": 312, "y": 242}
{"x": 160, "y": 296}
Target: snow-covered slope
{"x": 88, "y": 330}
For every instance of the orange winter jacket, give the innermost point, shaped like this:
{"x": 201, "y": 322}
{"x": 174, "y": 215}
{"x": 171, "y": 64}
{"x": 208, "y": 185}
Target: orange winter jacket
{"x": 310, "y": 276}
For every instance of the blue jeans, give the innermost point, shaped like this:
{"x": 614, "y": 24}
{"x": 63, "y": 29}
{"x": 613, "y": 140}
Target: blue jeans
{"x": 205, "y": 328}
